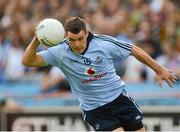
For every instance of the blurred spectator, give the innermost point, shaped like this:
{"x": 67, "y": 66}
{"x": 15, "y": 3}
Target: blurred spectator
{"x": 109, "y": 14}
{"x": 14, "y": 70}
{"x": 4, "y": 50}
{"x": 170, "y": 58}
{"x": 156, "y": 5}
{"x": 54, "y": 81}
{"x": 9, "y": 104}
{"x": 135, "y": 70}
{"x": 153, "y": 49}
{"x": 144, "y": 31}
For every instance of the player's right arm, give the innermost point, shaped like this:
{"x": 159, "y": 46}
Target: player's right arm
{"x": 161, "y": 72}
{"x": 31, "y": 57}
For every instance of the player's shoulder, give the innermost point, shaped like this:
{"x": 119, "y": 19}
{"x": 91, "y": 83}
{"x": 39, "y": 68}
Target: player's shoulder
{"x": 63, "y": 44}
{"x": 105, "y": 40}
{"x": 60, "y": 48}
{"x": 110, "y": 39}
{"x": 103, "y": 37}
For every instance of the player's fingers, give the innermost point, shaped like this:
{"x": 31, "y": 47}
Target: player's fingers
{"x": 35, "y": 29}
{"x": 35, "y": 32}
{"x": 169, "y": 82}
{"x": 173, "y": 78}
{"x": 159, "y": 81}
{"x": 170, "y": 71}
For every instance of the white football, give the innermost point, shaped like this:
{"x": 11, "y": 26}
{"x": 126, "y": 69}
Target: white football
{"x": 50, "y": 32}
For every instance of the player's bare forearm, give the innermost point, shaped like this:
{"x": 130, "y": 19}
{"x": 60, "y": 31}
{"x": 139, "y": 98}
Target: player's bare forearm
{"x": 31, "y": 58}
{"x": 142, "y": 56}
{"x": 162, "y": 72}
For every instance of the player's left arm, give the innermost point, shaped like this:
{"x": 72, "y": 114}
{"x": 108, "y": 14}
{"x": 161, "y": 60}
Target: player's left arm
{"x": 161, "y": 72}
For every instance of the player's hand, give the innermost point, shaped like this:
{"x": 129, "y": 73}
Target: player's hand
{"x": 35, "y": 35}
{"x": 35, "y": 31}
{"x": 165, "y": 75}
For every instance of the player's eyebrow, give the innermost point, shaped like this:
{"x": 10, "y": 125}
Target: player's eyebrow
{"x": 72, "y": 39}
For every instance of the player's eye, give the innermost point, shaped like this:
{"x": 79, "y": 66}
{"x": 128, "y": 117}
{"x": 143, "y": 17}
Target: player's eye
{"x": 71, "y": 40}
{"x": 81, "y": 38}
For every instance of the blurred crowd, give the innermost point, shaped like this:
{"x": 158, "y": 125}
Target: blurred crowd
{"x": 154, "y": 25}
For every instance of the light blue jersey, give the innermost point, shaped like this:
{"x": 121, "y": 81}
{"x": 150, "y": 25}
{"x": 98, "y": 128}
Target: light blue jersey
{"x": 92, "y": 75}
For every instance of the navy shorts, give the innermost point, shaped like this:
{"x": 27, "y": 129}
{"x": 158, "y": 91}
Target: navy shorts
{"x": 121, "y": 112}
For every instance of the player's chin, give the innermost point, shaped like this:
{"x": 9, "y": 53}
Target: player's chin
{"x": 78, "y": 51}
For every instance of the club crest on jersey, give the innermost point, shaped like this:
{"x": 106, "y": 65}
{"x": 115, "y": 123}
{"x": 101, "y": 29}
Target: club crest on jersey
{"x": 98, "y": 60}
{"x": 90, "y": 71}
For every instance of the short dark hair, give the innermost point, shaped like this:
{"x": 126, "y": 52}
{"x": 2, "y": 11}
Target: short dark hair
{"x": 75, "y": 25}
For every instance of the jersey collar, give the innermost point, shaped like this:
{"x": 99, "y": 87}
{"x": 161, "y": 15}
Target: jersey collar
{"x": 89, "y": 38}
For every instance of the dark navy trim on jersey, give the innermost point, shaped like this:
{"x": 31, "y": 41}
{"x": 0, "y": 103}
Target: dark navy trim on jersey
{"x": 121, "y": 44}
{"x": 64, "y": 41}
{"x": 110, "y": 38}
{"x": 89, "y": 38}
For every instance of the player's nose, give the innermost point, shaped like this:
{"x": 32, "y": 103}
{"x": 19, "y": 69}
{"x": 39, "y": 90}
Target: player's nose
{"x": 76, "y": 44}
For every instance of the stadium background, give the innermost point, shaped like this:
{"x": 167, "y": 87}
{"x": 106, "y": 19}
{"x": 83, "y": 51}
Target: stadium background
{"x": 39, "y": 98}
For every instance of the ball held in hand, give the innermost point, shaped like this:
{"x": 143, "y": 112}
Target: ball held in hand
{"x": 50, "y": 32}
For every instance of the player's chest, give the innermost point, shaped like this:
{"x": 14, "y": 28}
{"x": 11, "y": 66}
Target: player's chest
{"x": 96, "y": 60}
{"x": 82, "y": 63}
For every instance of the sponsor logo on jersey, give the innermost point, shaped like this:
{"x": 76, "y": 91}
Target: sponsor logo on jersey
{"x": 94, "y": 78}
{"x": 90, "y": 71}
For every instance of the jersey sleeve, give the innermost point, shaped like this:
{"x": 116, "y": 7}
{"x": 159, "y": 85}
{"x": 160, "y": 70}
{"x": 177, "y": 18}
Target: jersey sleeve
{"x": 120, "y": 49}
{"x": 117, "y": 48}
{"x": 52, "y": 56}
{"x": 47, "y": 56}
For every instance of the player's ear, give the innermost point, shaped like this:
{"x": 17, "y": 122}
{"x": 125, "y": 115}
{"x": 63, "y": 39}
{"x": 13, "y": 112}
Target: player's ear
{"x": 65, "y": 35}
{"x": 87, "y": 33}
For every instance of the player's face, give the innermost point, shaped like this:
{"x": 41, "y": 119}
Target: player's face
{"x": 77, "y": 42}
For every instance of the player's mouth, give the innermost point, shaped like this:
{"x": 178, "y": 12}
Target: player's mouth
{"x": 79, "y": 50}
